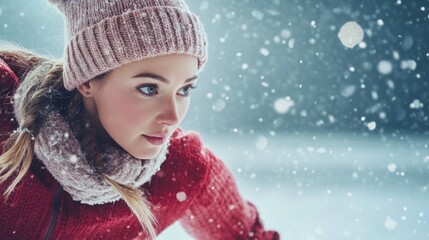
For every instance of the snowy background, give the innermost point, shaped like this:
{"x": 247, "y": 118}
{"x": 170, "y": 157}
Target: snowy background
{"x": 319, "y": 109}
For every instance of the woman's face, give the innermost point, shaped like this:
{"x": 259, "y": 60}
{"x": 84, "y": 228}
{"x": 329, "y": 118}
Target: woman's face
{"x": 142, "y": 103}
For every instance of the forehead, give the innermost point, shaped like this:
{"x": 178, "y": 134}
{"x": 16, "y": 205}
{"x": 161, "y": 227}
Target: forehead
{"x": 177, "y": 66}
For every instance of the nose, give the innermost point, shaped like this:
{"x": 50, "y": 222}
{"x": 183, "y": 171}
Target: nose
{"x": 169, "y": 113}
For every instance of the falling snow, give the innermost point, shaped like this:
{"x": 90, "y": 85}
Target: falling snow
{"x": 350, "y": 34}
{"x": 283, "y": 105}
{"x": 321, "y": 110}
{"x": 348, "y": 91}
{"x": 390, "y": 224}
{"x": 257, "y": 14}
{"x": 371, "y": 125}
{"x": 416, "y": 104}
{"x": 385, "y": 67}
{"x": 204, "y": 5}
{"x": 391, "y": 167}
{"x": 181, "y": 196}
{"x": 219, "y": 105}
{"x": 286, "y": 33}
{"x": 264, "y": 51}
{"x": 261, "y": 143}
{"x": 408, "y": 64}
{"x": 73, "y": 158}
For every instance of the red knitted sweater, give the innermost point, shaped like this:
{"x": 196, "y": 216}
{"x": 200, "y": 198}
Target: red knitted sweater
{"x": 192, "y": 186}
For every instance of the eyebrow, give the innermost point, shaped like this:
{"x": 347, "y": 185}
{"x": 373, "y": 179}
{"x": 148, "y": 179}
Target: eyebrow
{"x": 160, "y": 78}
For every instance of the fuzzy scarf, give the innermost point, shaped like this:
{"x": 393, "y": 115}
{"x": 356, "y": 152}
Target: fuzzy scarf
{"x": 60, "y": 152}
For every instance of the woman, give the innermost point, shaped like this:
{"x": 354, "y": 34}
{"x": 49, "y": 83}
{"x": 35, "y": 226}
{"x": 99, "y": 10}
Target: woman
{"x": 91, "y": 147}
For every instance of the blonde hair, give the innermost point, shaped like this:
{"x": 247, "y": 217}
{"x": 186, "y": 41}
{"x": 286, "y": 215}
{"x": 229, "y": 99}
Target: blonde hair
{"x": 19, "y": 147}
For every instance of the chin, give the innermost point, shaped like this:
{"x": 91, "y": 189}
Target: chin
{"x": 149, "y": 154}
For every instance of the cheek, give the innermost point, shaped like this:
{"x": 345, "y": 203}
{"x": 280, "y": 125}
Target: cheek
{"x": 119, "y": 113}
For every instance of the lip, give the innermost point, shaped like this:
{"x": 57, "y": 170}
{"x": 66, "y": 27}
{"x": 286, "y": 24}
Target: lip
{"x": 155, "y": 140}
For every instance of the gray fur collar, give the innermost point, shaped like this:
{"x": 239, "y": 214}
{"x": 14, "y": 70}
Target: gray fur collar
{"x": 60, "y": 152}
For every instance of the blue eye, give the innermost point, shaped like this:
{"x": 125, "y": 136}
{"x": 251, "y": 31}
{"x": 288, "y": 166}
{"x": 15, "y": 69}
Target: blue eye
{"x": 185, "y": 91}
{"x": 149, "y": 89}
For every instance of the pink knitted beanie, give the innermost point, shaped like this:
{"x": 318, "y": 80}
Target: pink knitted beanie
{"x": 104, "y": 34}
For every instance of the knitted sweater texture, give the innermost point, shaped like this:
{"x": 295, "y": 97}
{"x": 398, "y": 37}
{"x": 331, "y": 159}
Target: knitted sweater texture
{"x": 193, "y": 187}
